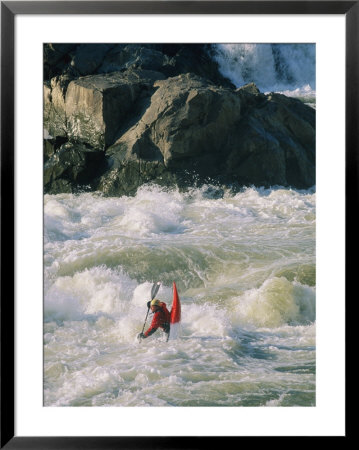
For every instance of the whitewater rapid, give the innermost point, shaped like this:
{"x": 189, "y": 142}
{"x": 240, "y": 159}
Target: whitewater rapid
{"x": 244, "y": 265}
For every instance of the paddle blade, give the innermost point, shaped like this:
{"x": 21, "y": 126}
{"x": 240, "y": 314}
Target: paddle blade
{"x": 155, "y": 289}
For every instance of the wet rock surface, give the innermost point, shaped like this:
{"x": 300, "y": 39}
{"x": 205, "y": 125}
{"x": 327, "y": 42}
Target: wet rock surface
{"x": 122, "y": 115}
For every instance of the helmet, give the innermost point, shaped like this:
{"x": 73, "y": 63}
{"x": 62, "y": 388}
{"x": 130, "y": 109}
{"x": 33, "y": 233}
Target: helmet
{"x": 155, "y": 302}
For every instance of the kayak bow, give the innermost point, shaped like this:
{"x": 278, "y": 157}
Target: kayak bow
{"x": 175, "y": 317}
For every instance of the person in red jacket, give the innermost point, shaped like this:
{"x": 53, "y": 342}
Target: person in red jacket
{"x": 161, "y": 318}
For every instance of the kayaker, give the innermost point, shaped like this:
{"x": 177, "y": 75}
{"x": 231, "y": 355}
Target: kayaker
{"x": 161, "y": 318}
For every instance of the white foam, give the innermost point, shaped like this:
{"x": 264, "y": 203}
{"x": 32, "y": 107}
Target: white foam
{"x": 145, "y": 213}
{"x": 277, "y": 302}
{"x": 175, "y": 332}
{"x": 271, "y": 67}
{"x": 98, "y": 290}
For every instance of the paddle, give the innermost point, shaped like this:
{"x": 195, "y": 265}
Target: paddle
{"x": 154, "y": 290}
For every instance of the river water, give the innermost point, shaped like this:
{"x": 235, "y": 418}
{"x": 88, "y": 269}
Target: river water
{"x": 244, "y": 265}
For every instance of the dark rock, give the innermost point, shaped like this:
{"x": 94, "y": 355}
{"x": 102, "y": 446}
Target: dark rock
{"x": 213, "y": 192}
{"x": 169, "y": 59}
{"x": 196, "y": 59}
{"x": 133, "y": 56}
{"x": 250, "y": 97}
{"x": 276, "y": 144}
{"x": 88, "y": 58}
{"x": 73, "y": 167}
{"x": 126, "y": 178}
{"x": 53, "y": 53}
{"x": 51, "y": 145}
{"x": 57, "y": 58}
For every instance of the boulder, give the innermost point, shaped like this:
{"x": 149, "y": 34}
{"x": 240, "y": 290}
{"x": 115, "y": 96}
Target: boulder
{"x": 93, "y": 109}
{"x": 275, "y": 143}
{"x": 186, "y": 118}
{"x": 179, "y": 137}
{"x": 196, "y": 132}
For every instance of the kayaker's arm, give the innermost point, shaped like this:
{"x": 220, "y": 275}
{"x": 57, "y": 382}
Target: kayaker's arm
{"x": 149, "y": 332}
{"x": 156, "y": 322}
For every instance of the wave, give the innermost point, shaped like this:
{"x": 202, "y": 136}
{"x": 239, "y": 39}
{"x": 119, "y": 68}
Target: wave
{"x": 102, "y": 292}
{"x": 277, "y": 302}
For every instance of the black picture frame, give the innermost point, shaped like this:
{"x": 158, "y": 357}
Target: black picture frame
{"x": 9, "y": 9}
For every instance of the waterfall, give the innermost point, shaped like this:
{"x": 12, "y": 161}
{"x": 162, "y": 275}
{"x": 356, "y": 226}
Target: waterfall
{"x": 286, "y": 68}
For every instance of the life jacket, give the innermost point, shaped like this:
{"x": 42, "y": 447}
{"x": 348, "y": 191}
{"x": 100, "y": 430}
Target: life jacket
{"x": 161, "y": 319}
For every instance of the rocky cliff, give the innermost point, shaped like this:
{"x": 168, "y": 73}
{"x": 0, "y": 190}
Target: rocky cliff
{"x": 118, "y": 116}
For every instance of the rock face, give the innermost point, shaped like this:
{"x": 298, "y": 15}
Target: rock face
{"x": 164, "y": 114}
{"x": 92, "y": 109}
{"x": 276, "y": 142}
{"x": 182, "y": 135}
{"x": 73, "y": 167}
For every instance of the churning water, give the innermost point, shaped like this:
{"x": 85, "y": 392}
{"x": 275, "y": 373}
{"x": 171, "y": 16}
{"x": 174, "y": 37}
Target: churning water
{"x": 286, "y": 68}
{"x": 244, "y": 265}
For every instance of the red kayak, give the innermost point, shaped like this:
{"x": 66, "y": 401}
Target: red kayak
{"x": 175, "y": 314}
{"x": 176, "y": 306}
